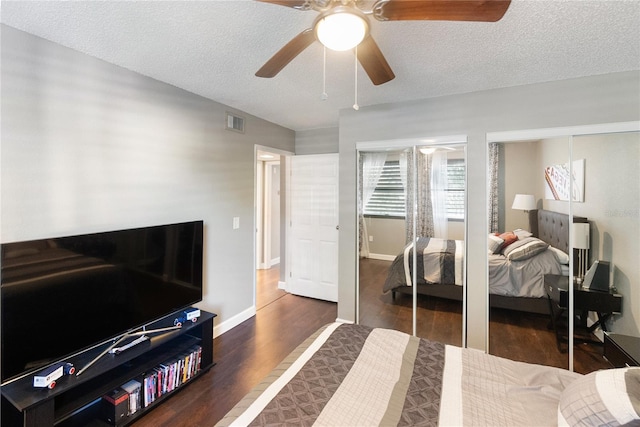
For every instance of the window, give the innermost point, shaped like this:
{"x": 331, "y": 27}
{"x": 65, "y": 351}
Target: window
{"x": 388, "y": 197}
{"x": 455, "y": 190}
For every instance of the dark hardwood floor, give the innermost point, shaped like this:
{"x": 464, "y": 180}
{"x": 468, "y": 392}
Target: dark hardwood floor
{"x": 520, "y": 336}
{"x": 267, "y": 287}
{"x": 244, "y": 356}
{"x": 248, "y": 352}
{"x": 438, "y": 319}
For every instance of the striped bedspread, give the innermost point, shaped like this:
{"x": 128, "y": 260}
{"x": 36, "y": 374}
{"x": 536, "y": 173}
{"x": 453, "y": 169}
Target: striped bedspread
{"x": 439, "y": 261}
{"x": 351, "y": 375}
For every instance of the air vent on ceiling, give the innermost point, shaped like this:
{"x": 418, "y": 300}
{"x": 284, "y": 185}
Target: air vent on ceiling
{"x": 235, "y": 123}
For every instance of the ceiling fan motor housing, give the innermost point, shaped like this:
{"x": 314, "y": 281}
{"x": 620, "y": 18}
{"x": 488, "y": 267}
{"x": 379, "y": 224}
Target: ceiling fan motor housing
{"x": 341, "y": 28}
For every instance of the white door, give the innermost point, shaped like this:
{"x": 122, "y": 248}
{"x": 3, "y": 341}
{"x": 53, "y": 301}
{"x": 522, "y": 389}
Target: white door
{"x": 314, "y": 227}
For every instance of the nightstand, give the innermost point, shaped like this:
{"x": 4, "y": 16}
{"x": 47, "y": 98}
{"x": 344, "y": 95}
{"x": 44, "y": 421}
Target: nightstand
{"x": 604, "y": 304}
{"x": 621, "y": 350}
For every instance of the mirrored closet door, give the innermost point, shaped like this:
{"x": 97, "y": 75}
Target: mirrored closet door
{"x": 524, "y": 221}
{"x": 413, "y": 213}
{"x": 607, "y": 295}
{"x": 580, "y": 196}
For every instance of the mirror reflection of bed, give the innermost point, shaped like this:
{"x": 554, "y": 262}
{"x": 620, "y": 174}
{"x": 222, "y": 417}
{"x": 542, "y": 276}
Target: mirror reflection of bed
{"x": 519, "y": 328}
{"x": 520, "y": 321}
{"x": 516, "y": 168}
{"x": 435, "y": 173}
{"x": 613, "y": 238}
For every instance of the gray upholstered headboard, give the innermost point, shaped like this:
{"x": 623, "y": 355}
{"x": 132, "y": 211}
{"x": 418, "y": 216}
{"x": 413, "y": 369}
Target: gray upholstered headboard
{"x": 552, "y": 227}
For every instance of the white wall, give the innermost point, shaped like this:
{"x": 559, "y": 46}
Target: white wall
{"x": 599, "y": 99}
{"x": 274, "y": 215}
{"x": 88, "y": 146}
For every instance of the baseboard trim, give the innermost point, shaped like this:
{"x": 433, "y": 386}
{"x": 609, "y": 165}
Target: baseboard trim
{"x": 231, "y": 323}
{"x": 382, "y": 257}
{"x": 282, "y": 285}
{"x": 349, "y": 322}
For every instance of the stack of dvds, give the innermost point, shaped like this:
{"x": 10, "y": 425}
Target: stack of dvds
{"x": 144, "y": 390}
{"x": 171, "y": 374}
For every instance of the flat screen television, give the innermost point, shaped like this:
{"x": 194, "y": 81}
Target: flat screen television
{"x": 62, "y": 295}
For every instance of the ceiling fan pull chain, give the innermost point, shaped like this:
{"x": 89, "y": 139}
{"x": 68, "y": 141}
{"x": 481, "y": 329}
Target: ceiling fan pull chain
{"x": 355, "y": 67}
{"x": 324, "y": 95}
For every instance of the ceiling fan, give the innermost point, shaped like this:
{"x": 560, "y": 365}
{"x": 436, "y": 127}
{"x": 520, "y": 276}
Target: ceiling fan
{"x": 351, "y": 20}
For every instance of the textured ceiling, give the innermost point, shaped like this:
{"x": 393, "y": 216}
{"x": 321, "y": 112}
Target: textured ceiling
{"x": 213, "y": 48}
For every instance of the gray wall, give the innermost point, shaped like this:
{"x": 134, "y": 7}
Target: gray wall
{"x": 389, "y": 235}
{"x": 88, "y": 146}
{"x": 612, "y": 203}
{"x": 521, "y": 176}
{"x": 524, "y": 163}
{"x": 317, "y": 141}
{"x": 599, "y": 99}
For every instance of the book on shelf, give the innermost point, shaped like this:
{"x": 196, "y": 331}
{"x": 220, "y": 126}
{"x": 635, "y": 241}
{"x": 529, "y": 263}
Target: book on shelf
{"x": 133, "y": 389}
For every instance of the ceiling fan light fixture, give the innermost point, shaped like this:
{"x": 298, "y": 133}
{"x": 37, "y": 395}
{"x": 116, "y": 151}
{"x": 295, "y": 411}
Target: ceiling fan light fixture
{"x": 341, "y": 28}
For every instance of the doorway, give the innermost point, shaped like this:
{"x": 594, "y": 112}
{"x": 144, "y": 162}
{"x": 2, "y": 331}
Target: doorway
{"x": 270, "y": 206}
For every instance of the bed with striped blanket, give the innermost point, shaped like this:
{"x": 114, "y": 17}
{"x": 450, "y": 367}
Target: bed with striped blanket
{"x": 352, "y": 375}
{"x": 439, "y": 261}
{"x": 513, "y": 284}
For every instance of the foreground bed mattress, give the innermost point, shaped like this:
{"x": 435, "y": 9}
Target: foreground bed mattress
{"x": 351, "y": 375}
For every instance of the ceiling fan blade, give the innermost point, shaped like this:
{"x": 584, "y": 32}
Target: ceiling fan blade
{"x": 442, "y": 10}
{"x": 374, "y": 63}
{"x": 296, "y": 4}
{"x": 285, "y": 55}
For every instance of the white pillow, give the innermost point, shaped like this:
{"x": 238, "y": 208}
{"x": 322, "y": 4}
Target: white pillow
{"x": 563, "y": 257}
{"x": 494, "y": 244}
{"x": 522, "y": 234}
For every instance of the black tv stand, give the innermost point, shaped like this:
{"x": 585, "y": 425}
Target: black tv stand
{"x": 76, "y": 399}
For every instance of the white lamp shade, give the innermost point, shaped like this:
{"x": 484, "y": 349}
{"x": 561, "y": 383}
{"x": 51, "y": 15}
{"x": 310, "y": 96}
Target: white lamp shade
{"x": 524, "y": 202}
{"x": 341, "y": 30}
{"x": 580, "y": 235}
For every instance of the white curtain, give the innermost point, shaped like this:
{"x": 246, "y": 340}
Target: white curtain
{"x": 439, "y": 185}
{"x": 372, "y": 166}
